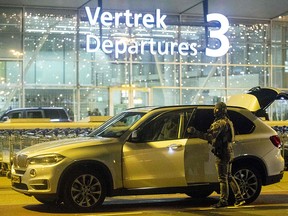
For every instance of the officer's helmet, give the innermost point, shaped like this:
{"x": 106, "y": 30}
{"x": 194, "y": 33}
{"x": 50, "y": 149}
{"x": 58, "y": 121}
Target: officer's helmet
{"x": 220, "y": 109}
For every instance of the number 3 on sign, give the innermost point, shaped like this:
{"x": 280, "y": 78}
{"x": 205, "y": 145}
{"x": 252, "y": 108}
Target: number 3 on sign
{"x": 219, "y": 34}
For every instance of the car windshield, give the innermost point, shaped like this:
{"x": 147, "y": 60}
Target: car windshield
{"x": 118, "y": 125}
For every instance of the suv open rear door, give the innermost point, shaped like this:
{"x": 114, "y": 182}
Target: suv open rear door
{"x": 257, "y": 99}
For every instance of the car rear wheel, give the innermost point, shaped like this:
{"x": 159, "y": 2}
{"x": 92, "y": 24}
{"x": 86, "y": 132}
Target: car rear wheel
{"x": 249, "y": 181}
{"x": 84, "y": 190}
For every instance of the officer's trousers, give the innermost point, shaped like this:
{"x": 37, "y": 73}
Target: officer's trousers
{"x": 226, "y": 179}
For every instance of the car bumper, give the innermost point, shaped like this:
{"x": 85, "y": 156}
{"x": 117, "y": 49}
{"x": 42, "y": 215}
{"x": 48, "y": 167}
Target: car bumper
{"x": 36, "y": 180}
{"x": 274, "y": 179}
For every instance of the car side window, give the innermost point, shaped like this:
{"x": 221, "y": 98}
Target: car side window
{"x": 52, "y": 114}
{"x": 34, "y": 114}
{"x": 163, "y": 127}
{"x": 242, "y": 125}
{"x": 203, "y": 119}
{"x": 14, "y": 115}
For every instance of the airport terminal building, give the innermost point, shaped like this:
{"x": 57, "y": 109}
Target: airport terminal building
{"x": 113, "y": 55}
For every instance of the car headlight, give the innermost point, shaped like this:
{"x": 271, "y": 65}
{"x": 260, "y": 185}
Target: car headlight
{"x": 46, "y": 159}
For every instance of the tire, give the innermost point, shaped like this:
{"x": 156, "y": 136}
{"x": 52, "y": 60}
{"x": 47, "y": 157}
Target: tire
{"x": 249, "y": 181}
{"x": 84, "y": 191}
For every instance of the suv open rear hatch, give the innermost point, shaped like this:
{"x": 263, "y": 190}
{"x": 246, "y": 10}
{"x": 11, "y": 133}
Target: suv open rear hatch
{"x": 257, "y": 100}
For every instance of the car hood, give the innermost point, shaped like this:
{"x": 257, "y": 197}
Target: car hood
{"x": 60, "y": 145}
{"x": 257, "y": 99}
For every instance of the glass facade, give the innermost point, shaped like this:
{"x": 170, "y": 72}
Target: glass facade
{"x": 44, "y": 62}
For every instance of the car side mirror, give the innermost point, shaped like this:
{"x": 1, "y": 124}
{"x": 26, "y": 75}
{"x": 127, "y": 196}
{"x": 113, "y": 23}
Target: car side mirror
{"x": 5, "y": 118}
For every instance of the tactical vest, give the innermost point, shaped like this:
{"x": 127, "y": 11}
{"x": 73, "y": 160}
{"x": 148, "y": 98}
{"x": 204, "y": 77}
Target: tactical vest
{"x": 225, "y": 137}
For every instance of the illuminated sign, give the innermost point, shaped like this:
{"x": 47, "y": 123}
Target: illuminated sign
{"x": 150, "y": 21}
{"x": 131, "y": 20}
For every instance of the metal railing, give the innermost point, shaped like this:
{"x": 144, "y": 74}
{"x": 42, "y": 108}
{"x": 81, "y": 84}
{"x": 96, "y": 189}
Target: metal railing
{"x": 19, "y": 134}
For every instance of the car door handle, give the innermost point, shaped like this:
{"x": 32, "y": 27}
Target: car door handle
{"x": 175, "y": 146}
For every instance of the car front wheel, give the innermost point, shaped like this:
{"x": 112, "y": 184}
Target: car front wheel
{"x": 249, "y": 181}
{"x": 84, "y": 190}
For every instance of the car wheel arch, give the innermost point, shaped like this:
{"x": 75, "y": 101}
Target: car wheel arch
{"x": 91, "y": 165}
{"x": 251, "y": 173}
{"x": 256, "y": 162}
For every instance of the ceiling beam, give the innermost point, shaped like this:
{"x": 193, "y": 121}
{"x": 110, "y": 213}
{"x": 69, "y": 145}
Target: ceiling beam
{"x": 191, "y": 7}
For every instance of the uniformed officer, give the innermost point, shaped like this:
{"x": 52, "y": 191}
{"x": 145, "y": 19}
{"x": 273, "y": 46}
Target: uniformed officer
{"x": 221, "y": 135}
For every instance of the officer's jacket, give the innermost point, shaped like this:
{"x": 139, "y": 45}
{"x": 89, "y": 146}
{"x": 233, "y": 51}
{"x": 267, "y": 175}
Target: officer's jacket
{"x": 220, "y": 132}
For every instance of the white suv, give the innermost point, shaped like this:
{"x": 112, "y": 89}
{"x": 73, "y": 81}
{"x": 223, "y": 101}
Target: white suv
{"x": 147, "y": 151}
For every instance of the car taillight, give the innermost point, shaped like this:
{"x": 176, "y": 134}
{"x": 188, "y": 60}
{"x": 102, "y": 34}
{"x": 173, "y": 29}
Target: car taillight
{"x": 276, "y": 141}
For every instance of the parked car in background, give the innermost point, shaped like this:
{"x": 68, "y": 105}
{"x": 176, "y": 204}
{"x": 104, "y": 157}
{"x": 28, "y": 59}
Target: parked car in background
{"x": 55, "y": 114}
{"x": 147, "y": 151}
